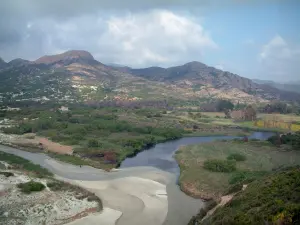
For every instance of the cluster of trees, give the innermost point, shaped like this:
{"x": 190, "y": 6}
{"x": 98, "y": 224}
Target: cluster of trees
{"x": 287, "y": 139}
{"x": 279, "y": 107}
{"x": 217, "y": 106}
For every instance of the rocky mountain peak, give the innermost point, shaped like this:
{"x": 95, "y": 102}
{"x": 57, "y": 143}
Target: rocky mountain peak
{"x": 68, "y": 56}
{"x": 2, "y": 63}
{"x": 18, "y": 62}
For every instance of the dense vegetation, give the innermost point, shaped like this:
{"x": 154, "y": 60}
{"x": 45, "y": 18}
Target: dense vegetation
{"x": 274, "y": 199}
{"x": 21, "y": 163}
{"x": 292, "y": 140}
{"x": 96, "y": 131}
{"x": 279, "y": 107}
{"x": 31, "y": 186}
{"x": 217, "y": 165}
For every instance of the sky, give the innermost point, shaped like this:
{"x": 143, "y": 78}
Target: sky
{"x": 255, "y": 39}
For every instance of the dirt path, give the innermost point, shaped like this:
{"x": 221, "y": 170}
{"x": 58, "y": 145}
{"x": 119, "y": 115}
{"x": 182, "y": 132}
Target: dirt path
{"x": 224, "y": 199}
{"x": 33, "y": 141}
{"x": 54, "y": 147}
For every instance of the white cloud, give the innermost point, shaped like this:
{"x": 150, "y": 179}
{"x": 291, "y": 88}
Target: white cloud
{"x": 156, "y": 37}
{"x": 277, "y": 47}
{"x": 280, "y": 59}
{"x": 249, "y": 41}
{"x": 220, "y": 66}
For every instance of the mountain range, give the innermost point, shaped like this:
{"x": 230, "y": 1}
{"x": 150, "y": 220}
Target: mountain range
{"x": 290, "y": 86}
{"x": 76, "y": 76}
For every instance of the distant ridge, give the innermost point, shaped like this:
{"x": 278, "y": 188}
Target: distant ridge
{"x": 66, "y": 56}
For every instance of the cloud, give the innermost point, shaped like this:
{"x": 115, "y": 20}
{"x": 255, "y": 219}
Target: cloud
{"x": 151, "y": 37}
{"x": 220, "y": 66}
{"x": 249, "y": 42}
{"x": 280, "y": 59}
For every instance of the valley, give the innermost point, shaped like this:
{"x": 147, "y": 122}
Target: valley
{"x": 122, "y": 132}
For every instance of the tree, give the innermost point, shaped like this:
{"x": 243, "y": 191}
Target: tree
{"x": 223, "y": 105}
{"x": 250, "y": 113}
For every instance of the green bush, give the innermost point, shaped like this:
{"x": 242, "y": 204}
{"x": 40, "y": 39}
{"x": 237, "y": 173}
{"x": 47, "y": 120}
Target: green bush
{"x": 93, "y": 143}
{"x": 7, "y": 174}
{"x": 236, "y": 157}
{"x": 245, "y": 176}
{"x": 217, "y": 165}
{"x": 275, "y": 199}
{"x": 31, "y": 186}
{"x": 234, "y": 188}
{"x": 54, "y": 186}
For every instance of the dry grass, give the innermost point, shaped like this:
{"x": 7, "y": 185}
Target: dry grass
{"x": 199, "y": 182}
{"x": 283, "y": 117}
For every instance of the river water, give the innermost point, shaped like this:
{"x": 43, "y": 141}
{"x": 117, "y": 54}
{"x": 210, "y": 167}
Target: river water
{"x": 161, "y": 155}
{"x": 156, "y": 160}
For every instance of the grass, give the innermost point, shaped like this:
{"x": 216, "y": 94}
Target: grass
{"x": 78, "y": 161}
{"x": 236, "y": 157}
{"x": 261, "y": 157}
{"x": 284, "y": 117}
{"x": 23, "y": 164}
{"x": 218, "y": 165}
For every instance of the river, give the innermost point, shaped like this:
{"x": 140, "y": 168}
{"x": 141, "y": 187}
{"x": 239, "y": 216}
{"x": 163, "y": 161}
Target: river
{"x": 120, "y": 190}
{"x": 161, "y": 155}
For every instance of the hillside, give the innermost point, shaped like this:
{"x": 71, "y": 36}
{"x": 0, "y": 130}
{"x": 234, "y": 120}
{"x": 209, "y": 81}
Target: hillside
{"x": 271, "y": 200}
{"x": 76, "y": 76}
{"x": 293, "y": 87}
{"x": 201, "y": 77}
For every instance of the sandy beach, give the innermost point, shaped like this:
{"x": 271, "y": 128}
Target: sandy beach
{"x": 131, "y": 196}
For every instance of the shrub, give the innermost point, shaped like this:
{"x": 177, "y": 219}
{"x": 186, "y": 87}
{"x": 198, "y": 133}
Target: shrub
{"x": 234, "y": 188}
{"x": 7, "y": 174}
{"x": 54, "y": 186}
{"x": 31, "y": 186}
{"x": 236, "y": 157}
{"x": 93, "y": 143}
{"x": 245, "y": 176}
{"x": 217, "y": 165}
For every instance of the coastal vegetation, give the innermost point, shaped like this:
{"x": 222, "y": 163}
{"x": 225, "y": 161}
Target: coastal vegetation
{"x": 31, "y": 186}
{"x": 275, "y": 199}
{"x": 17, "y": 162}
{"x": 211, "y": 170}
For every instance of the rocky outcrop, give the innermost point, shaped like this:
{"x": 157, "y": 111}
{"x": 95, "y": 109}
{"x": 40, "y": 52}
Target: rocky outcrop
{"x": 65, "y": 58}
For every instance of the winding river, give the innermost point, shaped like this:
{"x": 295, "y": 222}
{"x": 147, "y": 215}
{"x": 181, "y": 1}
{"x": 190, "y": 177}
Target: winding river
{"x": 143, "y": 189}
{"x": 161, "y": 155}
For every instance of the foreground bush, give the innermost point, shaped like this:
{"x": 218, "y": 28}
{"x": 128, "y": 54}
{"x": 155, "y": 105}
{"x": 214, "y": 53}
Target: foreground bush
{"x": 31, "y": 186}
{"x": 245, "y": 176}
{"x": 236, "y": 157}
{"x": 272, "y": 200}
{"x": 203, "y": 211}
{"x": 217, "y": 165}
{"x": 7, "y": 174}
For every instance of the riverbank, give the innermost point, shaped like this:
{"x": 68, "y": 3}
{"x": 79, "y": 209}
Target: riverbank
{"x": 129, "y": 195}
{"x": 30, "y": 194}
{"x": 65, "y": 153}
{"x": 199, "y": 182}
